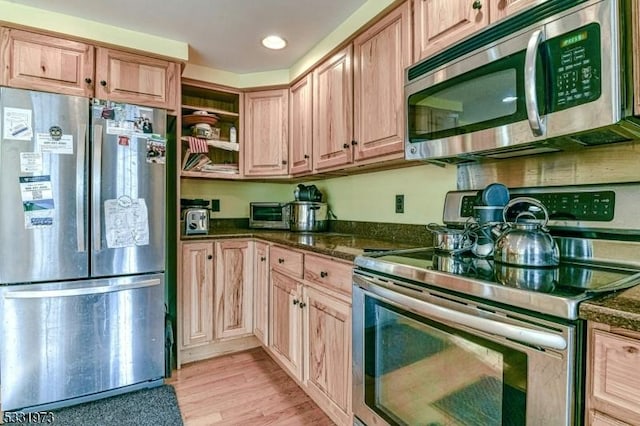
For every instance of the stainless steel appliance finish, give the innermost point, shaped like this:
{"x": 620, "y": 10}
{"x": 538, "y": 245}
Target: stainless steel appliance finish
{"x": 309, "y": 216}
{"x": 196, "y": 221}
{"x": 493, "y": 316}
{"x": 100, "y": 335}
{"x": 269, "y": 215}
{"x": 81, "y": 244}
{"x": 493, "y": 100}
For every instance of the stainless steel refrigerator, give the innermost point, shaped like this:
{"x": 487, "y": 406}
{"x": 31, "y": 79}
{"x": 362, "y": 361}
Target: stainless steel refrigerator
{"x": 82, "y": 249}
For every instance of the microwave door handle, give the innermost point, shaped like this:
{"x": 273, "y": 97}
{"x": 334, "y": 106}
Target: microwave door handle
{"x": 531, "y": 99}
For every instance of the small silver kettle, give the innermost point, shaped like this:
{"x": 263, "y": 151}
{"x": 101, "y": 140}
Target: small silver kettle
{"x": 526, "y": 241}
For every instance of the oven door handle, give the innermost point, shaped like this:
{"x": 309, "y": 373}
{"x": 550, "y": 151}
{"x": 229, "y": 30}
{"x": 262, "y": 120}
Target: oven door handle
{"x": 509, "y": 331}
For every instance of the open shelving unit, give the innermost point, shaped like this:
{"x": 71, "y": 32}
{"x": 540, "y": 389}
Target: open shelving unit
{"x": 224, "y": 156}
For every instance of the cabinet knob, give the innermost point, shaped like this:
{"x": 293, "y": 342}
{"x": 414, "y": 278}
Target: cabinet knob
{"x": 284, "y": 162}
{"x": 324, "y": 274}
{"x": 103, "y": 83}
{"x": 263, "y": 258}
{"x": 631, "y": 350}
{"x": 295, "y": 301}
{"x": 88, "y": 80}
{"x": 354, "y": 143}
{"x": 306, "y": 156}
{"x": 477, "y": 5}
{"x": 210, "y": 257}
{"x": 302, "y": 305}
{"x": 346, "y": 145}
{"x": 280, "y": 260}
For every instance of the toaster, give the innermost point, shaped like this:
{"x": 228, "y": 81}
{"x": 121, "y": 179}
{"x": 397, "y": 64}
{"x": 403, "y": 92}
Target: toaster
{"x": 196, "y": 221}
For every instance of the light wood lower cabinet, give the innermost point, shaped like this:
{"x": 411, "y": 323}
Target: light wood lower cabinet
{"x": 327, "y": 352}
{"x": 310, "y": 326}
{"x": 196, "y": 291}
{"x": 233, "y": 295}
{"x": 261, "y": 292}
{"x": 215, "y": 299}
{"x": 613, "y": 376}
{"x": 285, "y": 325}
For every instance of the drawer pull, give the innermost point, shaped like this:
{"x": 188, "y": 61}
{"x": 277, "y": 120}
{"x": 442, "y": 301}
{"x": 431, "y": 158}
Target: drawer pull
{"x": 295, "y": 301}
{"x": 631, "y": 350}
{"x": 280, "y": 260}
{"x": 262, "y": 258}
{"x": 302, "y": 305}
{"x": 324, "y": 274}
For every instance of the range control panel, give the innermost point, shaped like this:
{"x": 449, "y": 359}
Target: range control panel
{"x": 593, "y": 206}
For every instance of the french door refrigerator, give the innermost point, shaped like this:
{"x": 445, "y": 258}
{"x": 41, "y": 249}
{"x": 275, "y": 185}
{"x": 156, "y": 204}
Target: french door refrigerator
{"x": 82, "y": 251}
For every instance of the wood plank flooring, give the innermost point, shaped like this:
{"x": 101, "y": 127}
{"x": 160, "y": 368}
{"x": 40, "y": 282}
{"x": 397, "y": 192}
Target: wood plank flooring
{"x": 244, "y": 388}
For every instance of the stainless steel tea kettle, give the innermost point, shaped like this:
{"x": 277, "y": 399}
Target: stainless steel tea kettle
{"x": 526, "y": 241}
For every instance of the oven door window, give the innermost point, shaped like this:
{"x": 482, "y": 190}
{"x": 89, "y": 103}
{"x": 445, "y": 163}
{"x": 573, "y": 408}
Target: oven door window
{"x": 484, "y": 98}
{"x": 422, "y": 372}
{"x": 268, "y": 214}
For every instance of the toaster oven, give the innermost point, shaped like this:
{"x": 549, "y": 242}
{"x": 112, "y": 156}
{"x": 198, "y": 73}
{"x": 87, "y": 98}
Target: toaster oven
{"x": 269, "y": 215}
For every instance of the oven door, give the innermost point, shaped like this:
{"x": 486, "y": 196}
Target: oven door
{"x": 420, "y": 357}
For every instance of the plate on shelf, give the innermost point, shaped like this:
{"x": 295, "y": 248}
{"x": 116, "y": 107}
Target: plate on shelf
{"x": 192, "y": 119}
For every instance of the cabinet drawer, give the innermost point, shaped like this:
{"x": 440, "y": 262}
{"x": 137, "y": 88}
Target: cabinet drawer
{"x": 329, "y": 273}
{"x": 287, "y": 261}
{"x": 616, "y": 377}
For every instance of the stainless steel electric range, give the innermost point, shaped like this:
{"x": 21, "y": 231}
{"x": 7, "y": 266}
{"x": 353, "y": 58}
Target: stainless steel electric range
{"x": 457, "y": 339}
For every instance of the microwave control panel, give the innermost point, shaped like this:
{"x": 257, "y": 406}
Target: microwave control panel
{"x": 575, "y": 67}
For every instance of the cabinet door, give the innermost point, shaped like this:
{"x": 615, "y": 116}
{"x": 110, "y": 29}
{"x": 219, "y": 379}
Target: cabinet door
{"x": 285, "y": 325}
{"x": 636, "y": 54}
{"x": 197, "y": 294}
{"x": 40, "y": 62}
{"x": 266, "y": 133}
{"x": 328, "y": 348}
{"x": 261, "y": 293}
{"x": 136, "y": 79}
{"x": 333, "y": 111}
{"x": 380, "y": 56}
{"x": 301, "y": 124}
{"x": 441, "y": 23}
{"x": 233, "y": 295}
{"x": 500, "y": 9}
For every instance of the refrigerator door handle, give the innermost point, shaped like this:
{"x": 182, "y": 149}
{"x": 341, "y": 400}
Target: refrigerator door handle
{"x": 96, "y": 185}
{"x": 80, "y": 291}
{"x": 80, "y": 180}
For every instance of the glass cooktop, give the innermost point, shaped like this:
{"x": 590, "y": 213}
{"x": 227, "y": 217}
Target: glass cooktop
{"x": 552, "y": 290}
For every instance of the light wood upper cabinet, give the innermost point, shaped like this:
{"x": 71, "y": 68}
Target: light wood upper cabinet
{"x": 261, "y": 292}
{"x": 613, "y": 377}
{"x": 196, "y": 294}
{"x": 301, "y": 126}
{"x": 328, "y": 351}
{"x": 380, "y": 56}
{"x": 137, "y": 79}
{"x": 41, "y": 62}
{"x": 285, "y": 341}
{"x": 266, "y": 133}
{"x": 440, "y": 23}
{"x": 499, "y": 9}
{"x": 233, "y": 295}
{"x": 333, "y": 111}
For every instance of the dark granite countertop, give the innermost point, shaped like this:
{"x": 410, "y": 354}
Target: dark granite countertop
{"x": 617, "y": 310}
{"x": 339, "y": 245}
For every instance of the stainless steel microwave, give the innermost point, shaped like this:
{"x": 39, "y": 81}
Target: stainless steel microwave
{"x": 269, "y": 215}
{"x": 557, "y": 76}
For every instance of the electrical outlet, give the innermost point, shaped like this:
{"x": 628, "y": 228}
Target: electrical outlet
{"x": 215, "y": 205}
{"x": 400, "y": 203}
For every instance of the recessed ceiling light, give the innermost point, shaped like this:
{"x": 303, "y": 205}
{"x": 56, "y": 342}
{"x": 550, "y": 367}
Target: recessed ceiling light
{"x": 274, "y": 42}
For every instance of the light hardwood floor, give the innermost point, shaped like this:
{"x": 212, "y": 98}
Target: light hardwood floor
{"x": 244, "y": 388}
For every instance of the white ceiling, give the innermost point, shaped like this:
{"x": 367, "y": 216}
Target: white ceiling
{"x": 222, "y": 34}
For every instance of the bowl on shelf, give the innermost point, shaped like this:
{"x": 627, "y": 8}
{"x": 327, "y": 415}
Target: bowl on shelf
{"x": 199, "y": 117}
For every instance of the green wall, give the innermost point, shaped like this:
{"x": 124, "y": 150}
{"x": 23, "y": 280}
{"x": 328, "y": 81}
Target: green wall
{"x": 366, "y": 197}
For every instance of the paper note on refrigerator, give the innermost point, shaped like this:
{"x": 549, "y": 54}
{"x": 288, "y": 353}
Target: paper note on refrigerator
{"x": 59, "y": 145}
{"x": 30, "y": 162}
{"x": 37, "y": 201}
{"x": 17, "y": 124}
{"x": 126, "y": 222}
